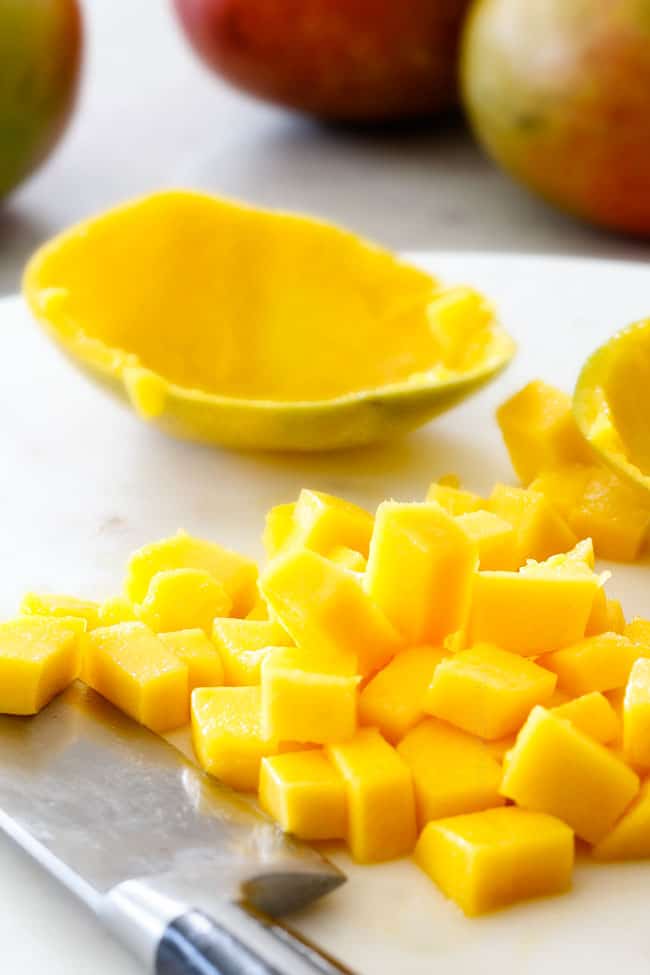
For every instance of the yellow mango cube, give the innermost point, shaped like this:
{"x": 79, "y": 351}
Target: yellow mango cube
{"x": 593, "y": 714}
{"x": 453, "y": 772}
{"x": 530, "y": 614}
{"x": 598, "y": 663}
{"x": 539, "y": 530}
{"x": 495, "y": 539}
{"x": 380, "y": 799}
{"x": 243, "y": 645}
{"x": 454, "y": 500}
{"x": 606, "y": 616}
{"x": 277, "y": 528}
{"x": 227, "y": 734}
{"x": 183, "y": 599}
{"x": 420, "y": 570}
{"x": 629, "y": 839}
{"x": 393, "y": 700}
{"x": 487, "y": 691}
{"x": 305, "y": 794}
{"x": 259, "y": 611}
{"x": 200, "y": 656}
{"x": 539, "y": 430}
{"x": 636, "y": 715}
{"x": 499, "y": 748}
{"x": 234, "y": 572}
{"x": 135, "y": 671}
{"x": 563, "y": 487}
{"x": 348, "y": 558}
{"x": 613, "y": 514}
{"x": 638, "y": 631}
{"x": 321, "y": 522}
{"x": 487, "y": 860}
{"x": 303, "y": 702}
{"x": 557, "y": 769}
{"x": 117, "y": 609}
{"x": 49, "y": 604}
{"x": 325, "y": 610}
{"x": 39, "y": 657}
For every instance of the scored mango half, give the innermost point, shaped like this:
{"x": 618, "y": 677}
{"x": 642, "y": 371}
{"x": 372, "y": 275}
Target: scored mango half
{"x": 227, "y": 324}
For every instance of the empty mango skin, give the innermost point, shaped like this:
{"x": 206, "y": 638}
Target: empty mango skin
{"x": 243, "y": 645}
{"x": 394, "y": 699}
{"x": 303, "y": 792}
{"x": 39, "y": 657}
{"x": 200, "y": 656}
{"x": 486, "y": 860}
{"x": 182, "y": 599}
{"x": 420, "y": 570}
{"x": 555, "y": 768}
{"x": 367, "y": 365}
{"x": 48, "y": 604}
{"x": 134, "y": 670}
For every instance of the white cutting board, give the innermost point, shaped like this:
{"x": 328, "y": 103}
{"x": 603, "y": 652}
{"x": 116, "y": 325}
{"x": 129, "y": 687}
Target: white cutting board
{"x": 83, "y": 483}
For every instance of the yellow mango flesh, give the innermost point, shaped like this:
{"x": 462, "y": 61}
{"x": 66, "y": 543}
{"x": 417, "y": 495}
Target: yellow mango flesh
{"x": 243, "y": 645}
{"x": 557, "y": 769}
{"x": 326, "y": 611}
{"x": 486, "y": 691}
{"x": 380, "y": 800}
{"x": 453, "y": 499}
{"x": 303, "y": 702}
{"x": 486, "y": 860}
{"x": 539, "y": 530}
{"x": 494, "y": 537}
{"x": 638, "y": 631}
{"x": 394, "y": 699}
{"x": 606, "y": 616}
{"x": 539, "y": 430}
{"x": 200, "y": 656}
{"x": 453, "y": 772}
{"x": 278, "y": 526}
{"x": 348, "y": 558}
{"x": 629, "y": 839}
{"x": 599, "y": 663}
{"x": 322, "y": 521}
{"x": 593, "y": 714}
{"x": 182, "y": 599}
{"x": 420, "y": 570}
{"x": 234, "y": 572}
{"x": 49, "y": 604}
{"x": 135, "y": 671}
{"x": 636, "y": 715}
{"x": 227, "y": 734}
{"x": 530, "y": 614}
{"x": 117, "y": 609}
{"x": 304, "y": 793}
{"x": 39, "y": 657}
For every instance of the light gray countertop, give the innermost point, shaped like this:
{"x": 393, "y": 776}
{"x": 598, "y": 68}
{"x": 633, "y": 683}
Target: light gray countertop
{"x": 150, "y": 115}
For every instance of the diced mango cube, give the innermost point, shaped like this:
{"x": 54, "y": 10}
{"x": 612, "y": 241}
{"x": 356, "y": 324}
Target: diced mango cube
{"x": 638, "y": 631}
{"x": 234, "y": 572}
{"x": 606, "y": 616}
{"x": 557, "y": 769}
{"x": 629, "y": 839}
{"x": 380, "y": 799}
{"x": 563, "y": 487}
{"x": 494, "y": 537}
{"x": 277, "y": 528}
{"x": 593, "y": 714}
{"x": 393, "y": 700}
{"x": 539, "y": 430}
{"x": 305, "y": 794}
{"x": 348, "y": 558}
{"x": 49, "y": 604}
{"x": 227, "y": 734}
{"x": 321, "y": 522}
{"x": 117, "y": 609}
{"x": 539, "y": 530}
{"x": 420, "y": 570}
{"x": 530, "y": 614}
{"x": 487, "y": 691}
{"x": 39, "y": 657}
{"x": 243, "y": 645}
{"x": 183, "y": 599}
{"x": 613, "y": 514}
{"x": 598, "y": 663}
{"x": 326, "y": 610}
{"x": 636, "y": 715}
{"x": 486, "y": 860}
{"x": 500, "y": 747}
{"x": 259, "y": 611}
{"x": 454, "y": 500}
{"x": 453, "y": 772}
{"x": 199, "y": 655}
{"x": 304, "y": 701}
{"x": 134, "y": 670}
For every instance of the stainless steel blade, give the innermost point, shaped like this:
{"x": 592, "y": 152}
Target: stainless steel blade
{"x": 101, "y": 800}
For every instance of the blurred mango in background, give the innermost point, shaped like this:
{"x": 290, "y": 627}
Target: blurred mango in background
{"x": 344, "y": 60}
{"x": 40, "y": 53}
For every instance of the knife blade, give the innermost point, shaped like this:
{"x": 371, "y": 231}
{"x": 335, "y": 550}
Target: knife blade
{"x": 188, "y": 874}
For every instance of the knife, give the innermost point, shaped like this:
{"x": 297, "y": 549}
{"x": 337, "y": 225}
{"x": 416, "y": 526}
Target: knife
{"x": 186, "y": 873}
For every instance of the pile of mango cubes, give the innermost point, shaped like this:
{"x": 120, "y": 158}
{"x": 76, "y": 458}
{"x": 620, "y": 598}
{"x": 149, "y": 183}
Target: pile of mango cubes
{"x": 445, "y": 678}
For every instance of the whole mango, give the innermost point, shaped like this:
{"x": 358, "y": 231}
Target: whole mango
{"x": 40, "y": 49}
{"x": 345, "y": 60}
{"x": 558, "y": 92}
